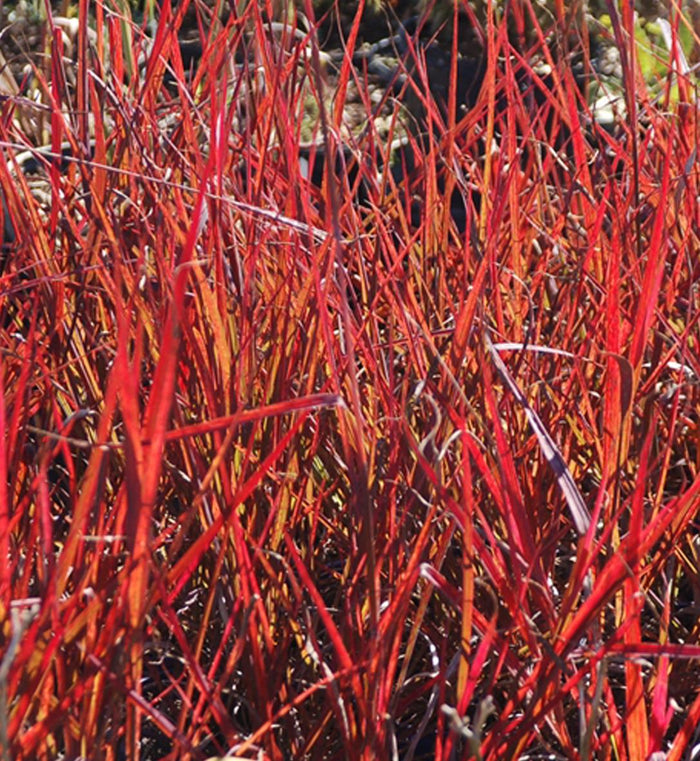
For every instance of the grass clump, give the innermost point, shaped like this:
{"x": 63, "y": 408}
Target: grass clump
{"x": 395, "y": 463}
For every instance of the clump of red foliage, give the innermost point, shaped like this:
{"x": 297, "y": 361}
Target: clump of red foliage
{"x": 292, "y": 472}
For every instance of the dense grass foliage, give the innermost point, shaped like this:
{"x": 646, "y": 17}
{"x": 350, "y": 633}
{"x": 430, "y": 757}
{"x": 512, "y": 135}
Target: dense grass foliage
{"x": 402, "y": 463}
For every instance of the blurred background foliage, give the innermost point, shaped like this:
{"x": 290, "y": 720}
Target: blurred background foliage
{"x": 378, "y": 14}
